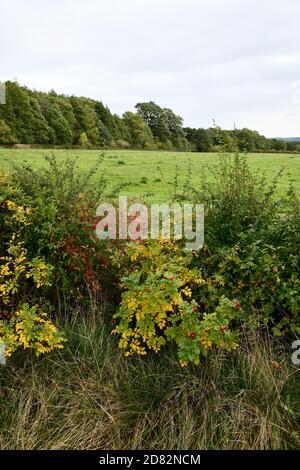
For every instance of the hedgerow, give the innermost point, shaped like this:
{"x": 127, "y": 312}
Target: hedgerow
{"x": 252, "y": 245}
{"x": 51, "y": 261}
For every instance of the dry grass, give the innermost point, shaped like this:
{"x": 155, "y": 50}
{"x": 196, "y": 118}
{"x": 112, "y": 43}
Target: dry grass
{"x": 89, "y": 397}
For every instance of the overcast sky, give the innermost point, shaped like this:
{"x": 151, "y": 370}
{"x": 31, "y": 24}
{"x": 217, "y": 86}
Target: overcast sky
{"x": 235, "y": 61}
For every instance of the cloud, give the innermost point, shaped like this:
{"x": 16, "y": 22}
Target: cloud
{"x": 224, "y": 59}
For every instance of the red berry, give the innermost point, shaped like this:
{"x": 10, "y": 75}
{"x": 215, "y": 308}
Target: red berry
{"x": 171, "y": 278}
{"x": 237, "y": 306}
{"x": 223, "y": 328}
{"x": 192, "y": 334}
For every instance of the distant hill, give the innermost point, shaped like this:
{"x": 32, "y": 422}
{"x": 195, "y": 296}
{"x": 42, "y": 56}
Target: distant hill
{"x": 289, "y": 139}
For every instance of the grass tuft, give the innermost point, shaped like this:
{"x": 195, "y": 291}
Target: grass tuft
{"x": 89, "y": 396}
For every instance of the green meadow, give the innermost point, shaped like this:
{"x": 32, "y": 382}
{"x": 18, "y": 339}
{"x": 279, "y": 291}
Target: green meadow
{"x": 151, "y": 174}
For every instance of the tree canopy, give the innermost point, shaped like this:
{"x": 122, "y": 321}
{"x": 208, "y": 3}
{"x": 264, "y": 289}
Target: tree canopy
{"x": 33, "y": 117}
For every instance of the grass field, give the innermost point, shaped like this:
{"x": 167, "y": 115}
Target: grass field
{"x": 151, "y": 174}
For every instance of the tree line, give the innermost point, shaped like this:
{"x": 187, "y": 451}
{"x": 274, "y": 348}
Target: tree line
{"x": 49, "y": 119}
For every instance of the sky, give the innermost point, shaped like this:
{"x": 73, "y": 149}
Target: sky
{"x": 233, "y": 61}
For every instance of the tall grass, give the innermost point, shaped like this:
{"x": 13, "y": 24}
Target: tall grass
{"x": 89, "y": 396}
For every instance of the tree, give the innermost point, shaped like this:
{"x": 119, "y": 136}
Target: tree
{"x": 87, "y": 119}
{"x": 49, "y": 118}
{"x": 6, "y": 136}
{"x": 166, "y": 126}
{"x": 199, "y": 139}
{"x": 19, "y": 116}
{"x": 293, "y": 146}
{"x": 139, "y": 132}
{"x": 40, "y": 128}
{"x": 279, "y": 145}
{"x": 84, "y": 141}
{"x": 7, "y": 112}
{"x": 176, "y": 132}
{"x": 56, "y": 120}
{"x": 152, "y": 114}
{"x": 156, "y": 119}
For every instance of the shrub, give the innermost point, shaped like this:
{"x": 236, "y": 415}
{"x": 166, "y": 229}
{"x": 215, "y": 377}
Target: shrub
{"x": 83, "y": 140}
{"x": 21, "y": 277}
{"x": 62, "y": 228}
{"x": 157, "y": 305}
{"x": 252, "y": 245}
{"x": 235, "y": 199}
{"x": 29, "y": 328}
{"x": 122, "y": 144}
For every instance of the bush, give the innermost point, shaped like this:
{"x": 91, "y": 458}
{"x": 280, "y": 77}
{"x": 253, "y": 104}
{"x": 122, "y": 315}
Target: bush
{"x": 235, "y": 199}
{"x": 21, "y": 278}
{"x": 121, "y": 144}
{"x": 252, "y": 245}
{"x": 62, "y": 227}
{"x": 157, "y": 305}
